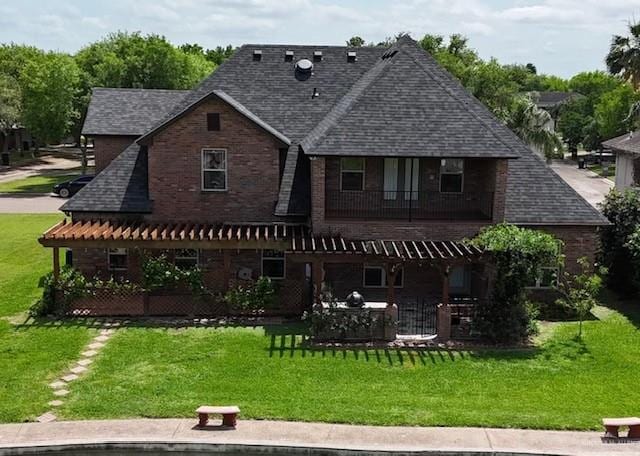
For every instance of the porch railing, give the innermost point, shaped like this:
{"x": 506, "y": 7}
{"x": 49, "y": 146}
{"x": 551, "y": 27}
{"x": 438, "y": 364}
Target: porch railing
{"x": 406, "y": 205}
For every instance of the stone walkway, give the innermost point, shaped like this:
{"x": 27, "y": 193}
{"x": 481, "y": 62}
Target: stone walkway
{"x": 61, "y": 386}
{"x": 179, "y": 434}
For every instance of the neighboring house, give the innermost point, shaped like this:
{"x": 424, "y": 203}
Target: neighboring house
{"x": 116, "y": 117}
{"x": 627, "y": 149}
{"x": 328, "y": 169}
{"x": 552, "y": 102}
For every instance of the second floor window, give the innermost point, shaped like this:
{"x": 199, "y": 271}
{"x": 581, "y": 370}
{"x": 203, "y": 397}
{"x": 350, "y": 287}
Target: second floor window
{"x": 351, "y": 174}
{"x": 451, "y": 175}
{"x": 214, "y": 169}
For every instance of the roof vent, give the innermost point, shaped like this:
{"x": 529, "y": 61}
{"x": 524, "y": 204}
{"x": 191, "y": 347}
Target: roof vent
{"x": 288, "y": 56}
{"x": 317, "y": 56}
{"x": 315, "y": 93}
{"x": 351, "y": 56}
{"x": 257, "y": 55}
{"x": 304, "y": 66}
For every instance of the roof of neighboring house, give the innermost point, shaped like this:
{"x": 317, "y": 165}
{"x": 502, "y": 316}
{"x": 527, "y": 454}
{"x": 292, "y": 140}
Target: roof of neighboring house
{"x": 629, "y": 142}
{"x": 390, "y": 101}
{"x": 127, "y": 112}
{"x": 120, "y": 187}
{"x": 552, "y": 98}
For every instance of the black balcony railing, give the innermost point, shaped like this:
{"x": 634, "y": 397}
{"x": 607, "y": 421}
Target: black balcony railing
{"x": 409, "y": 205}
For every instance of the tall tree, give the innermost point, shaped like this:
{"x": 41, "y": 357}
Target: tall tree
{"x": 49, "y": 86}
{"x": 10, "y": 108}
{"x": 612, "y": 111}
{"x": 574, "y": 118}
{"x": 530, "y": 124}
{"x": 623, "y": 58}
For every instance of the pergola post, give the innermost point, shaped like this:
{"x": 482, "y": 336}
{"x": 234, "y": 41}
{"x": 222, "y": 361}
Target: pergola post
{"x": 317, "y": 275}
{"x": 391, "y": 311}
{"x": 443, "y": 321}
{"x": 56, "y": 264}
{"x": 226, "y": 265}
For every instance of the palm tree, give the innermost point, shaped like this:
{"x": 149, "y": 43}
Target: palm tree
{"x": 624, "y": 55}
{"x": 531, "y": 125}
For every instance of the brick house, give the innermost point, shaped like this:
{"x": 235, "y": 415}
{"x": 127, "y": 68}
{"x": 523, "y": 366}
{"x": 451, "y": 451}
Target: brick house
{"x": 329, "y": 169}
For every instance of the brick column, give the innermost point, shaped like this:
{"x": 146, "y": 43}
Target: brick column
{"x": 317, "y": 194}
{"x": 500, "y": 190}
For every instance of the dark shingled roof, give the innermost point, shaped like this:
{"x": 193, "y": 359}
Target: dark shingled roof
{"x": 402, "y": 104}
{"x": 550, "y": 98}
{"x": 128, "y": 111}
{"x": 120, "y": 187}
{"x": 629, "y": 142}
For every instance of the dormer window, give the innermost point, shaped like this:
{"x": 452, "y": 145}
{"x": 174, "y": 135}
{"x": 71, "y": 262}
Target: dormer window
{"x": 213, "y": 121}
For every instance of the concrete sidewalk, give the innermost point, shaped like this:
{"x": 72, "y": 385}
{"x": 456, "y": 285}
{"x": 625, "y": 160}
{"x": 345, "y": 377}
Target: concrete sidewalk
{"x": 47, "y": 165}
{"x": 171, "y": 432}
{"x": 29, "y": 203}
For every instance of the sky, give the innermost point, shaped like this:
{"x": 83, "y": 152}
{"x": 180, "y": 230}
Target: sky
{"x": 561, "y": 37}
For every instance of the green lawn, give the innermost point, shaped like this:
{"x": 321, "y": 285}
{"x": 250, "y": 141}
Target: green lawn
{"x": 35, "y": 184}
{"x": 32, "y": 354}
{"x": 598, "y": 170}
{"x": 564, "y": 383}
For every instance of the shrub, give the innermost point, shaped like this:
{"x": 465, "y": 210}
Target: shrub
{"x": 517, "y": 254}
{"x": 332, "y": 321}
{"x": 255, "y": 296}
{"x": 620, "y": 242}
{"x": 159, "y": 273}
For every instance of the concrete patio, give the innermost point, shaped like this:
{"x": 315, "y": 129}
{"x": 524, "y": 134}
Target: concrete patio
{"x": 167, "y": 433}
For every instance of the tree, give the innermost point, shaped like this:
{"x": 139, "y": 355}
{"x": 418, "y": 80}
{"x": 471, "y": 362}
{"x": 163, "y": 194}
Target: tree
{"x": 593, "y": 84}
{"x": 517, "y": 254}
{"x": 572, "y": 122}
{"x": 49, "y": 86}
{"x": 612, "y": 111}
{"x": 623, "y": 58}
{"x": 10, "y": 108}
{"x": 617, "y": 254}
{"x": 530, "y": 124}
{"x": 355, "y": 41}
{"x": 579, "y": 292}
{"x": 219, "y": 54}
{"x": 149, "y": 61}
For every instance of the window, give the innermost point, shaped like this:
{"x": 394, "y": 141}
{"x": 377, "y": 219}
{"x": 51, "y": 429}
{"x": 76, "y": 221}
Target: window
{"x": 213, "y": 121}
{"x": 214, "y": 169}
{"x": 411, "y": 178}
{"x": 352, "y": 174}
{"x": 459, "y": 280}
{"x": 376, "y": 277}
{"x": 117, "y": 259}
{"x": 451, "y": 174}
{"x": 186, "y": 258}
{"x": 273, "y": 264}
{"x": 547, "y": 277}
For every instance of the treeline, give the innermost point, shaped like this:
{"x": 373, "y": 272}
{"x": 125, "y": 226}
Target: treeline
{"x": 48, "y": 92}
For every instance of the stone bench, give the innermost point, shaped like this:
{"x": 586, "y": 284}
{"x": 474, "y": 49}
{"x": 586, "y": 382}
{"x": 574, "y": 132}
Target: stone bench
{"x": 613, "y": 425}
{"x": 229, "y": 414}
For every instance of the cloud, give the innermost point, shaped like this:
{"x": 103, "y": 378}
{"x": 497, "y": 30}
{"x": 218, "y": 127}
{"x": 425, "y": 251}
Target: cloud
{"x": 93, "y": 21}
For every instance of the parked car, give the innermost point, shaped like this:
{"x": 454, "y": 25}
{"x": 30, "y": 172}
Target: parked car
{"x": 70, "y": 188}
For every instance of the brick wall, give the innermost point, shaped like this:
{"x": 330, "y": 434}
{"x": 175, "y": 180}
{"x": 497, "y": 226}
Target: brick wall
{"x": 580, "y": 241}
{"x": 106, "y": 148}
{"x": 175, "y": 182}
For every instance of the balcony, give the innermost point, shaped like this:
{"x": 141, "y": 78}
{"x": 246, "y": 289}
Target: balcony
{"x": 401, "y": 205}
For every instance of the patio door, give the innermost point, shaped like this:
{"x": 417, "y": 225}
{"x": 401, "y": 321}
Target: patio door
{"x": 406, "y": 170}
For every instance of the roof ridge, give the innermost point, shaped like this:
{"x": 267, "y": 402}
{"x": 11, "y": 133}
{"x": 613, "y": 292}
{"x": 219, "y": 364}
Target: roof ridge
{"x": 138, "y": 89}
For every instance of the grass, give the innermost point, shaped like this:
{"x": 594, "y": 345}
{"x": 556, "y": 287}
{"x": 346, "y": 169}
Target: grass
{"x": 565, "y": 383}
{"x": 598, "y": 170}
{"x": 22, "y": 260}
{"x": 35, "y": 184}
{"x": 31, "y": 355}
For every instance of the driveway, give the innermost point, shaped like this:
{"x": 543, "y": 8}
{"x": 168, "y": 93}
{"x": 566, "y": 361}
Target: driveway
{"x": 29, "y": 203}
{"x": 588, "y": 184}
{"x": 47, "y": 164}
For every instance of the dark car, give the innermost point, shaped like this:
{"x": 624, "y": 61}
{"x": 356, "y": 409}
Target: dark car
{"x": 70, "y": 188}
